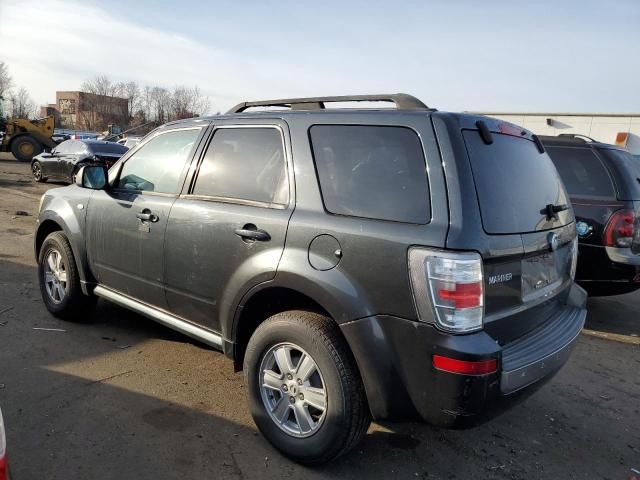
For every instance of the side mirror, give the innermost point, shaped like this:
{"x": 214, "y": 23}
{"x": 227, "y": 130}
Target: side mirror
{"x": 46, "y": 154}
{"x": 93, "y": 177}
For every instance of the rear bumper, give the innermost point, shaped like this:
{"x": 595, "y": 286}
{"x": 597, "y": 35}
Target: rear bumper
{"x": 541, "y": 353}
{"x": 622, "y": 255}
{"x": 607, "y": 264}
{"x": 395, "y": 360}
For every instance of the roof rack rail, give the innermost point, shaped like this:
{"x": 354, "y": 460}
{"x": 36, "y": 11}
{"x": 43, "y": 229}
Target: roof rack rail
{"x": 577, "y": 136}
{"x": 402, "y": 101}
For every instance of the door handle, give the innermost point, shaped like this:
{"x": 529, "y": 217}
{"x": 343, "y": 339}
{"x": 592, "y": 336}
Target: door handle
{"x": 147, "y": 216}
{"x": 251, "y": 233}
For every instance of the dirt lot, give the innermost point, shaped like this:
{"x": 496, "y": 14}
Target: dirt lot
{"x": 121, "y": 397}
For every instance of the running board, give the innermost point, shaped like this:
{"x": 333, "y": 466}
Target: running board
{"x": 205, "y": 336}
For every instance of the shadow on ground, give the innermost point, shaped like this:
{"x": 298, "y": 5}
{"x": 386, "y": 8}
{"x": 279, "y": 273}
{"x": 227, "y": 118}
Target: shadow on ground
{"x": 119, "y": 396}
{"x": 617, "y": 314}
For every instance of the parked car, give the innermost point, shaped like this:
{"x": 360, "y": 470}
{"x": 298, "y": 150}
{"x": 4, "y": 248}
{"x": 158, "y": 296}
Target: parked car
{"x": 64, "y": 160}
{"x": 4, "y": 466}
{"x": 413, "y": 264}
{"x": 129, "y": 142}
{"x": 603, "y": 182}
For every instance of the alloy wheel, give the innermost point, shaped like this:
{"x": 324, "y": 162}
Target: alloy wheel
{"x": 292, "y": 389}
{"x": 37, "y": 171}
{"x": 55, "y": 276}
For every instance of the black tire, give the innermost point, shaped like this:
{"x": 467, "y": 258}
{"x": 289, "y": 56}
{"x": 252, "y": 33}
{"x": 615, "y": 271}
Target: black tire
{"x": 36, "y": 171}
{"x": 73, "y": 305}
{"x": 346, "y": 417}
{"x": 25, "y": 147}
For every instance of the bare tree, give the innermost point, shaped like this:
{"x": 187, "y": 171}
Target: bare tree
{"x": 188, "y": 102}
{"x": 131, "y": 90}
{"x": 5, "y": 79}
{"x": 20, "y": 104}
{"x": 149, "y": 103}
{"x": 161, "y": 104}
{"x": 102, "y": 106}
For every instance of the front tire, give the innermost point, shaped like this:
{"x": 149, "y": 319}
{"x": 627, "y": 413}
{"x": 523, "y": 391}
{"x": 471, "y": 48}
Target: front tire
{"x": 303, "y": 387}
{"x": 59, "y": 280}
{"x": 25, "y": 147}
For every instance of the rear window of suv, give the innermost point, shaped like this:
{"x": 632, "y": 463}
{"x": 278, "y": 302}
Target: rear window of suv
{"x": 582, "y": 172}
{"x": 374, "y": 172}
{"x": 514, "y": 183}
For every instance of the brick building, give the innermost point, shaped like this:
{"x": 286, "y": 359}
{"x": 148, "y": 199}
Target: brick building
{"x": 87, "y": 111}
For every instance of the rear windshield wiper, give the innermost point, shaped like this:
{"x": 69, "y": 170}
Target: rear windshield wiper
{"x": 551, "y": 210}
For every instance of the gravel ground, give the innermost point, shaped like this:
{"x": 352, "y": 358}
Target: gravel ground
{"x": 121, "y": 397}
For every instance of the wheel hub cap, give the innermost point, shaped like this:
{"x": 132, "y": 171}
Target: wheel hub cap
{"x": 55, "y": 276}
{"x": 292, "y": 390}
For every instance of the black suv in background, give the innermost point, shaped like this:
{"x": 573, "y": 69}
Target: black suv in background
{"x": 603, "y": 182}
{"x": 358, "y": 263}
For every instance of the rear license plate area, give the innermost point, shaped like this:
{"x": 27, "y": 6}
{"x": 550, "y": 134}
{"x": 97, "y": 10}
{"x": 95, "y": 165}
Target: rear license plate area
{"x": 539, "y": 276}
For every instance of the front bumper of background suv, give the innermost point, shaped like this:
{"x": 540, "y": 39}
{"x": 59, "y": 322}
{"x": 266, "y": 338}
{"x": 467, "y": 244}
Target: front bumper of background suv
{"x": 395, "y": 358}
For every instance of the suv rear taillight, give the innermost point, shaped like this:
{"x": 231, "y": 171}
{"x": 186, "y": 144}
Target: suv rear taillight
{"x": 448, "y": 288}
{"x": 619, "y": 229}
{"x": 574, "y": 258}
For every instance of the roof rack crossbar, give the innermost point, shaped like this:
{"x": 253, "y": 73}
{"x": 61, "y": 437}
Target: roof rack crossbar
{"x": 401, "y": 100}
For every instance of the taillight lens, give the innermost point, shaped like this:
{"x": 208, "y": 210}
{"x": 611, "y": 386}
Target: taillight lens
{"x": 574, "y": 258}
{"x": 448, "y": 288}
{"x": 619, "y": 230}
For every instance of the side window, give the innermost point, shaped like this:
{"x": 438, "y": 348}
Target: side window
{"x": 372, "y": 171}
{"x": 156, "y": 167}
{"x": 63, "y": 148}
{"x": 582, "y": 172}
{"x": 246, "y": 164}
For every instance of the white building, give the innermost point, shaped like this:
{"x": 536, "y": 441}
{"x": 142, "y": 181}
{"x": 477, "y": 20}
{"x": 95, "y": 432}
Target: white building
{"x": 621, "y": 129}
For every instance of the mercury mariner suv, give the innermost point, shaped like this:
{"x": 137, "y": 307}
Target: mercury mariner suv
{"x": 357, "y": 263}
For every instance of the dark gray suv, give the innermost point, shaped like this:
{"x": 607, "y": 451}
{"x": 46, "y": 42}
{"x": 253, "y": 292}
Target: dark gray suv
{"x": 385, "y": 263}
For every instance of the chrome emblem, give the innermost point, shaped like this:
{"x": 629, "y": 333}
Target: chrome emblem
{"x": 553, "y": 240}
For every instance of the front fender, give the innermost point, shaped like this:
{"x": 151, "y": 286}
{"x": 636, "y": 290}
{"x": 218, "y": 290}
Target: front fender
{"x": 67, "y": 207}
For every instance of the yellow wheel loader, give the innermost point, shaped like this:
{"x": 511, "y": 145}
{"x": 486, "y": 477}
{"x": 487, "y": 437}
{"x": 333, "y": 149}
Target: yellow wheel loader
{"x": 27, "y": 138}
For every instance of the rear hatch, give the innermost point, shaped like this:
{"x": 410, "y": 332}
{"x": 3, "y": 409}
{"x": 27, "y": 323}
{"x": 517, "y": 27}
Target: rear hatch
{"x": 525, "y": 209}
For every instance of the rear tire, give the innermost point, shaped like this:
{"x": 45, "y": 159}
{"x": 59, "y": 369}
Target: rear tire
{"x": 36, "y": 170}
{"x": 302, "y": 429}
{"x": 25, "y": 147}
{"x": 60, "y": 282}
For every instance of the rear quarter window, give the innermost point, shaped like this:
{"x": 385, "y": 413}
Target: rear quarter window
{"x": 374, "y": 172}
{"x": 625, "y": 168}
{"x": 583, "y": 173}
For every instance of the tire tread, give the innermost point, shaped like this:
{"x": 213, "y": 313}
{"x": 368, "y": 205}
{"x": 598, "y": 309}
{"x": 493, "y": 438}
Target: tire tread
{"x": 326, "y": 331}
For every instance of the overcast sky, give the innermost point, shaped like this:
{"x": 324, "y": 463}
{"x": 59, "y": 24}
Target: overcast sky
{"x": 496, "y": 55}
